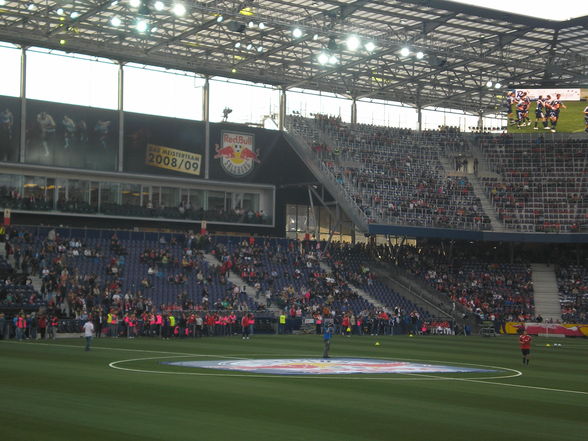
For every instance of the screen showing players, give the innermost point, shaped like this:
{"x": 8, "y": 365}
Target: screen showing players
{"x": 547, "y": 110}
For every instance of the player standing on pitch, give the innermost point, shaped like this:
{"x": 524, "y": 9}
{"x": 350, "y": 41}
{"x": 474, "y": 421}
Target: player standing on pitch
{"x": 525, "y": 344}
{"x": 586, "y": 118}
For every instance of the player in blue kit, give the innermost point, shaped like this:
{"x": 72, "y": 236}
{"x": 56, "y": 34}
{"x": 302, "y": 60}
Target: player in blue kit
{"x": 540, "y": 112}
{"x": 555, "y": 105}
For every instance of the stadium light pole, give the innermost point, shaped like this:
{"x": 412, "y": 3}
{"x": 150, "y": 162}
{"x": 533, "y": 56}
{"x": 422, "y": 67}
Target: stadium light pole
{"x": 23, "y": 103}
{"x": 121, "y": 115}
{"x": 354, "y": 111}
{"x": 282, "y": 115}
{"x": 206, "y": 118}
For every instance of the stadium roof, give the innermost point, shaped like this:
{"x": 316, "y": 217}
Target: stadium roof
{"x": 463, "y": 47}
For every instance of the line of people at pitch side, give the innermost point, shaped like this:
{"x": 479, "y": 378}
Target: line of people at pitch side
{"x": 22, "y": 326}
{"x": 167, "y": 325}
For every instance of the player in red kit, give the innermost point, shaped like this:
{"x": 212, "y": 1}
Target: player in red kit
{"x": 525, "y": 344}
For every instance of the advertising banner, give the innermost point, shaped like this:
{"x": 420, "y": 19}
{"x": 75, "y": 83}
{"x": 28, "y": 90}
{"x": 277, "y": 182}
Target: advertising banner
{"x": 9, "y": 128}
{"x": 568, "y": 330}
{"x": 159, "y": 145}
{"x": 173, "y": 159}
{"x": 240, "y": 153}
{"x": 65, "y": 135}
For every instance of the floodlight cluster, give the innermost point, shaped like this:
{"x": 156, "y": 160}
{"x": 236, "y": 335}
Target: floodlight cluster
{"x": 490, "y": 84}
{"x": 406, "y": 52}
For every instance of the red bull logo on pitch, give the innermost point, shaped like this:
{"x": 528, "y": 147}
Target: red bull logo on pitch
{"x": 237, "y": 153}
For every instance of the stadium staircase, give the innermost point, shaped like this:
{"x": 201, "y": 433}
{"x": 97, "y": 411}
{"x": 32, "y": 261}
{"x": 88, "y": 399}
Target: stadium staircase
{"x": 360, "y": 292}
{"x": 417, "y": 292}
{"x": 487, "y": 206}
{"x": 234, "y": 279}
{"x": 324, "y": 175}
{"x": 546, "y": 292}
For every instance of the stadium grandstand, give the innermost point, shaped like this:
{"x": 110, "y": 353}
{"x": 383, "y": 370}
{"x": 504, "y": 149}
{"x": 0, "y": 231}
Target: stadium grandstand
{"x": 212, "y": 172}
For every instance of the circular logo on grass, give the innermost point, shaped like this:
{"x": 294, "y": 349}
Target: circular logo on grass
{"x": 320, "y": 366}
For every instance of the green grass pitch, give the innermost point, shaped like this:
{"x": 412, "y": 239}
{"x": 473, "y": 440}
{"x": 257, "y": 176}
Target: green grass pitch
{"x": 571, "y": 120}
{"x": 56, "y": 391}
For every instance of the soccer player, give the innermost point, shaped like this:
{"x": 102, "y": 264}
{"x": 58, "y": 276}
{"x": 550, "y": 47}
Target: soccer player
{"x": 526, "y": 106}
{"x": 586, "y": 118}
{"x": 327, "y": 335}
{"x": 70, "y": 130}
{"x": 102, "y": 129}
{"x": 540, "y": 112}
{"x": 510, "y": 100}
{"x": 555, "y": 105}
{"x": 47, "y": 126}
{"x": 6, "y": 122}
{"x": 547, "y": 104}
{"x": 525, "y": 345}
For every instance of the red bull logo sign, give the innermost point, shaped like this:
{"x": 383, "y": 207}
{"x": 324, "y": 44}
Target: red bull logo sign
{"x": 237, "y": 153}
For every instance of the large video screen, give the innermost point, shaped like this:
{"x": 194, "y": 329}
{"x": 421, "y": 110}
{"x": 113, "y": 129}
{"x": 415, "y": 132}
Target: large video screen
{"x": 547, "y": 110}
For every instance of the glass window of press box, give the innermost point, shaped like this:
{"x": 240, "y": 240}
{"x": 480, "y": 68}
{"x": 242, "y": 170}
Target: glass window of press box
{"x": 319, "y": 222}
{"x": 39, "y": 193}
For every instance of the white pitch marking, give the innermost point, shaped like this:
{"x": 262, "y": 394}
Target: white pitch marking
{"x": 114, "y": 365}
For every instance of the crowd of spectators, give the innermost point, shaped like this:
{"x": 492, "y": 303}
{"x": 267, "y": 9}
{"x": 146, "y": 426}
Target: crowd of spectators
{"x": 572, "y": 282}
{"x": 395, "y": 175}
{"x": 541, "y": 185}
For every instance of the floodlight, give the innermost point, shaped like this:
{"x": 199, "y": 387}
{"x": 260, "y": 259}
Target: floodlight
{"x": 251, "y": 24}
{"x": 497, "y": 86}
{"x": 238, "y": 44}
{"x": 405, "y": 52}
{"x": 315, "y": 37}
{"x": 179, "y": 9}
{"x": 323, "y": 58}
{"x": 141, "y": 26}
{"x": 59, "y": 11}
{"x": 262, "y": 26}
{"x": 420, "y": 55}
{"x": 297, "y": 33}
{"x": 158, "y": 5}
{"x": 352, "y": 42}
{"x": 260, "y": 49}
{"x": 115, "y": 21}
{"x": 370, "y": 46}
{"x": 135, "y": 3}
{"x": 32, "y": 7}
{"x": 219, "y": 18}
{"x": 153, "y": 29}
{"x": 489, "y": 83}
{"x": 333, "y": 59}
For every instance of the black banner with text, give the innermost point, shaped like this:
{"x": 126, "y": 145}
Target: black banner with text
{"x": 163, "y": 146}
